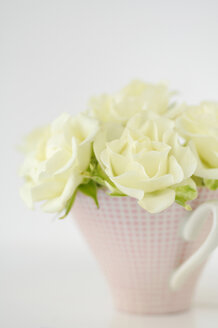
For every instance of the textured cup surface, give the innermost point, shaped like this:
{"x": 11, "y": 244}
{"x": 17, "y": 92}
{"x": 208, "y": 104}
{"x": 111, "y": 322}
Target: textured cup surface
{"x": 139, "y": 251}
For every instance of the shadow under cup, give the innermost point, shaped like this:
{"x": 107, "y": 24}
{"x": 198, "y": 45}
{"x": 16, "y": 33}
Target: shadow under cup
{"x": 139, "y": 251}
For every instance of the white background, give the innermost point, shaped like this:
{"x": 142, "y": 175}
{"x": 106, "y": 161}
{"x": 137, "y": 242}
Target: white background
{"x": 53, "y": 56}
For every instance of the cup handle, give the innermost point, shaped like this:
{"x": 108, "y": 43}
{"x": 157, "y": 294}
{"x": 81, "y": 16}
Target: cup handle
{"x": 190, "y": 231}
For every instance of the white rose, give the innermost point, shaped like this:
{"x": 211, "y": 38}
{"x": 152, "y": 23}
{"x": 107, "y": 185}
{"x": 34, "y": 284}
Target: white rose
{"x": 148, "y": 161}
{"x": 56, "y": 156}
{"x": 199, "y": 125}
{"x": 135, "y": 97}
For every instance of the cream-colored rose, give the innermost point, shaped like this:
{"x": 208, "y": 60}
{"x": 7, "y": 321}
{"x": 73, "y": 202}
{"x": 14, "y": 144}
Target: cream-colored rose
{"x": 148, "y": 161}
{"x": 135, "y": 97}
{"x": 56, "y": 155}
{"x": 199, "y": 125}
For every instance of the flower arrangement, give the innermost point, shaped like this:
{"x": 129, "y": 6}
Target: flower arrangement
{"x": 134, "y": 143}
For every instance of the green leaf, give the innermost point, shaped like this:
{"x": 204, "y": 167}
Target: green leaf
{"x": 117, "y": 194}
{"x": 96, "y": 173}
{"x": 99, "y": 175}
{"x": 199, "y": 181}
{"x": 184, "y": 194}
{"x": 90, "y": 189}
{"x": 69, "y": 205}
{"x": 100, "y": 178}
{"x": 211, "y": 184}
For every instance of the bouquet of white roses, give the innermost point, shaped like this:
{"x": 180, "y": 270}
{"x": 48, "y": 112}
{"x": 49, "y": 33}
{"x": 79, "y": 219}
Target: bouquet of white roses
{"x": 134, "y": 143}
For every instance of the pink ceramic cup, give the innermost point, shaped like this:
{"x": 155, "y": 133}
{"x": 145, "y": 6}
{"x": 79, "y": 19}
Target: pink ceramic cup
{"x": 142, "y": 255}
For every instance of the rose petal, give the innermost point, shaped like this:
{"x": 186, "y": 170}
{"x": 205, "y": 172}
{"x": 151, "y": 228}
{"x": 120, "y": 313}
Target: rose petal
{"x": 157, "y": 202}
